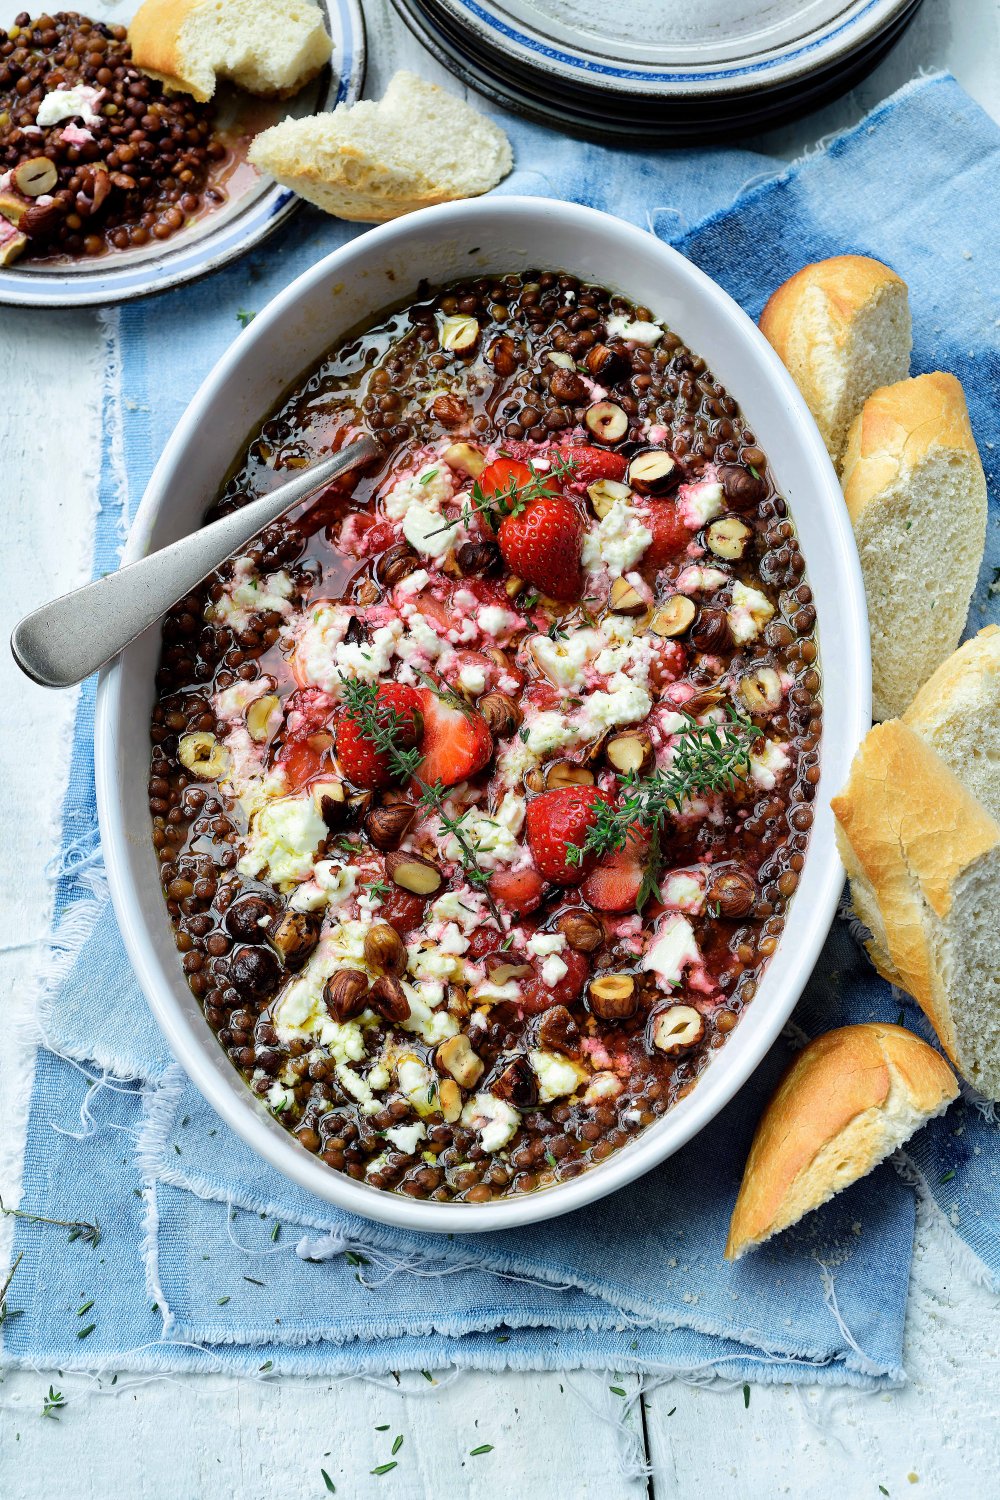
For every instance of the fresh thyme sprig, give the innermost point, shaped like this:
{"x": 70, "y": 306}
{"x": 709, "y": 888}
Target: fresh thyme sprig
{"x": 79, "y": 1229}
{"x": 514, "y": 497}
{"x": 384, "y": 727}
{"x": 707, "y": 758}
{"x": 53, "y": 1401}
{"x": 4, "y": 1314}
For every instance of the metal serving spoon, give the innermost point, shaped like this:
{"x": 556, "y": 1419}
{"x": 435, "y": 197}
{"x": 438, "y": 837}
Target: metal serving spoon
{"x": 61, "y": 643}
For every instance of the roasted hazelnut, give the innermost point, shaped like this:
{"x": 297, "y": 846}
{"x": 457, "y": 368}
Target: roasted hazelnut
{"x": 677, "y": 1029}
{"x": 500, "y": 968}
{"x": 41, "y": 220}
{"x": 35, "y": 177}
{"x": 463, "y": 458}
{"x": 743, "y": 490}
{"x": 605, "y": 364}
{"x": 673, "y": 617}
{"x": 254, "y": 972}
{"x": 258, "y": 716}
{"x": 710, "y": 631}
{"x": 479, "y": 559}
{"x": 566, "y": 385}
{"x": 613, "y": 997}
{"x": 606, "y": 422}
{"x": 501, "y": 713}
{"x": 517, "y": 1084}
{"x": 558, "y": 1032}
{"x": 459, "y": 334}
{"x": 450, "y": 411}
{"x": 387, "y": 826}
{"x": 581, "y": 929}
{"x": 504, "y": 356}
{"x": 334, "y": 803}
{"x": 449, "y": 1100}
{"x": 385, "y": 950}
{"x": 386, "y": 996}
{"x": 630, "y": 753}
{"x": 625, "y": 599}
{"x": 203, "y": 755}
{"x": 653, "y": 472}
{"x": 604, "y": 494}
{"x": 395, "y": 564}
{"x": 411, "y": 872}
{"x": 293, "y": 936}
{"x": 760, "y": 690}
{"x": 563, "y": 773}
{"x": 249, "y": 917}
{"x": 346, "y": 994}
{"x": 731, "y": 893}
{"x": 12, "y": 248}
{"x": 728, "y": 538}
{"x": 455, "y": 1056}
{"x": 368, "y": 592}
{"x": 459, "y": 1004}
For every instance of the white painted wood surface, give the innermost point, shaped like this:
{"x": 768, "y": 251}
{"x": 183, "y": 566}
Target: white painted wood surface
{"x": 552, "y": 1435}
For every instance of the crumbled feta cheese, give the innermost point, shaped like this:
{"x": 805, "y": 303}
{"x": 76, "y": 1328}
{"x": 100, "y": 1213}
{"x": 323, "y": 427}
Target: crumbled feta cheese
{"x": 621, "y": 327}
{"x": 414, "y": 582}
{"x": 405, "y": 1137}
{"x": 493, "y": 838}
{"x": 769, "y": 764}
{"x": 425, "y": 530}
{"x": 602, "y": 1086}
{"x": 472, "y": 678}
{"x": 466, "y": 907}
{"x": 626, "y": 703}
{"x": 332, "y": 885}
{"x": 557, "y": 1075}
{"x": 248, "y": 594}
{"x": 541, "y": 944}
{"x": 495, "y": 1120}
{"x": 280, "y": 1098}
{"x": 749, "y": 612}
{"x": 494, "y": 620}
{"x": 698, "y": 580}
{"x": 284, "y": 837}
{"x": 67, "y": 103}
{"x": 233, "y": 701}
{"x": 430, "y": 486}
{"x": 700, "y": 503}
{"x": 418, "y": 1084}
{"x": 430, "y": 1025}
{"x": 554, "y": 969}
{"x": 367, "y": 660}
{"x": 488, "y": 993}
{"x": 359, "y": 1088}
{"x": 617, "y": 542}
{"x": 564, "y": 661}
{"x": 672, "y": 949}
{"x": 683, "y": 891}
{"x": 430, "y": 961}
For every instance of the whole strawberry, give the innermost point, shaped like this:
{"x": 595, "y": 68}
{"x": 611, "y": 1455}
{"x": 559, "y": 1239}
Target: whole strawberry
{"x": 556, "y": 820}
{"x": 542, "y": 544}
{"x": 398, "y": 717}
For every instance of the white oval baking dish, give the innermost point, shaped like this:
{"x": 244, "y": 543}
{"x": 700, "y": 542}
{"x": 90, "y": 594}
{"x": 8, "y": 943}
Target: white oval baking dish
{"x": 350, "y": 288}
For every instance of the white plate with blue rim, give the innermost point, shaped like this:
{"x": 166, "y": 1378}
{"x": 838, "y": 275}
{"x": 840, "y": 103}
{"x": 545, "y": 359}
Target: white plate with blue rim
{"x": 683, "y": 50}
{"x": 254, "y": 207}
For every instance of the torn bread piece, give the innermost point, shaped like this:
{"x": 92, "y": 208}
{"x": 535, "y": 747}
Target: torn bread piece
{"x": 957, "y": 711}
{"x": 842, "y": 329}
{"x": 923, "y": 858}
{"x": 849, "y": 1099}
{"x": 916, "y": 495}
{"x": 370, "y": 162}
{"x": 268, "y": 47}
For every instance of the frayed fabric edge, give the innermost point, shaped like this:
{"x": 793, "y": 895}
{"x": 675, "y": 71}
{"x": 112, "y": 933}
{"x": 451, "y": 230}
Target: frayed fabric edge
{"x": 930, "y": 1213}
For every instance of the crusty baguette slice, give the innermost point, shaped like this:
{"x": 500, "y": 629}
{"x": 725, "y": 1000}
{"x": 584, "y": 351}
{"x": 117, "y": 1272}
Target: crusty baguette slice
{"x": 847, "y": 1101}
{"x": 916, "y": 494}
{"x": 923, "y": 857}
{"x": 957, "y": 711}
{"x": 268, "y": 47}
{"x": 842, "y": 328}
{"x": 371, "y": 162}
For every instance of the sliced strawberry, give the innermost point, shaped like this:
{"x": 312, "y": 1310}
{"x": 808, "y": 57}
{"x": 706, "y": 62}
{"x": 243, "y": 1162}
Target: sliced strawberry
{"x": 589, "y": 463}
{"x": 671, "y": 533}
{"x": 300, "y": 762}
{"x": 557, "y": 819}
{"x": 456, "y": 743}
{"x": 402, "y": 910}
{"x": 399, "y": 707}
{"x": 542, "y": 545}
{"x": 613, "y": 886}
{"x": 537, "y": 996}
{"x": 520, "y": 890}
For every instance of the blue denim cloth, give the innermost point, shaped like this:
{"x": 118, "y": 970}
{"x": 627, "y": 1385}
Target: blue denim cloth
{"x": 210, "y": 1259}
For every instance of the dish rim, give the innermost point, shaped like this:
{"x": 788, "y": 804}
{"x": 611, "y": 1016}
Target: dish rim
{"x": 196, "y": 1048}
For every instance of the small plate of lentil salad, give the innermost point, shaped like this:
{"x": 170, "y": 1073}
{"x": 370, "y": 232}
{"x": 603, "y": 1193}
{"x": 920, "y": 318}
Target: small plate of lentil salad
{"x": 139, "y": 189}
{"x": 481, "y": 790}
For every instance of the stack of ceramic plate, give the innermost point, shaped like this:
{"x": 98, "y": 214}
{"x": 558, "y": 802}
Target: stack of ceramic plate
{"x": 658, "y": 70}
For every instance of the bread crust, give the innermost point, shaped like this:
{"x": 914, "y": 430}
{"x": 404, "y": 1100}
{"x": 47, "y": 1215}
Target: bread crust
{"x": 849, "y": 283}
{"x": 154, "y": 36}
{"x": 897, "y": 428}
{"x": 842, "y": 1079}
{"x": 907, "y": 829}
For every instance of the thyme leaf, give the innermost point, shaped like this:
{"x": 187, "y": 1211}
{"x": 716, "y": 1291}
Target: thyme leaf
{"x": 79, "y": 1229}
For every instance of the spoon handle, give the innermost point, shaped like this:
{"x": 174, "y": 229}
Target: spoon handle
{"x": 62, "y": 642}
